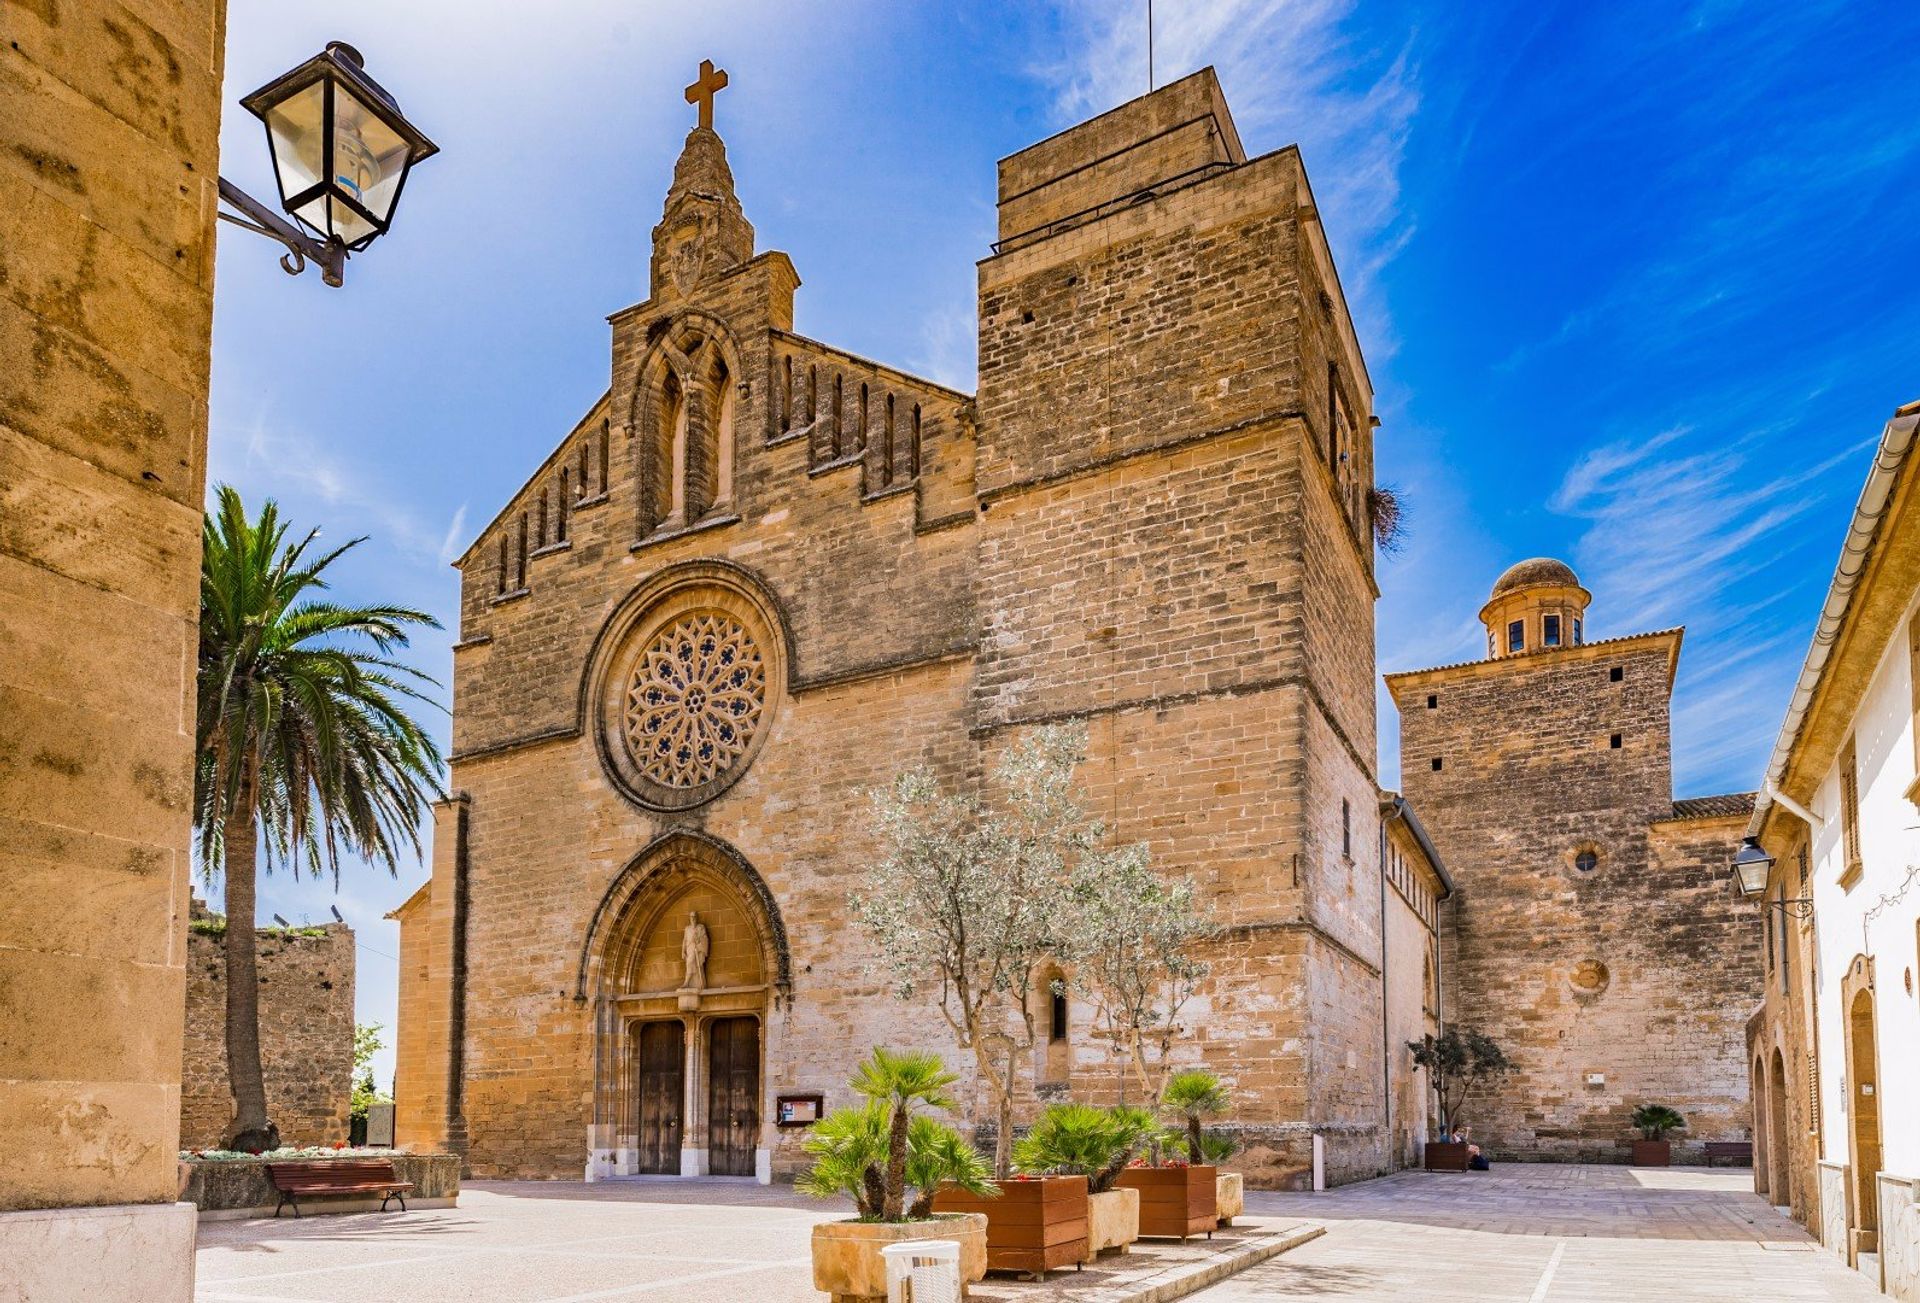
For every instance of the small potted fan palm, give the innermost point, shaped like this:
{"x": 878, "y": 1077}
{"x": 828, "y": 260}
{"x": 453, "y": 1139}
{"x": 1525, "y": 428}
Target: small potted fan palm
{"x": 890, "y": 1158}
{"x": 1097, "y": 1143}
{"x": 1654, "y": 1121}
{"x": 1180, "y": 1197}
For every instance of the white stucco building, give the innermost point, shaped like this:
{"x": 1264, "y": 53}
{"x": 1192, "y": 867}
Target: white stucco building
{"x": 1835, "y": 1046}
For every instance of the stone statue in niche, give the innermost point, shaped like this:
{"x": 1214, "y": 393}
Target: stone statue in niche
{"x": 693, "y": 952}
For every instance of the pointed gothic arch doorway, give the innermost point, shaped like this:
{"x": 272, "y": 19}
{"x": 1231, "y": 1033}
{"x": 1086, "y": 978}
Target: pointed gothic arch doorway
{"x": 684, "y": 962}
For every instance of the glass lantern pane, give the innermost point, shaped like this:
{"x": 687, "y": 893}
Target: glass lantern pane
{"x": 295, "y": 127}
{"x": 349, "y": 225}
{"x": 369, "y": 157}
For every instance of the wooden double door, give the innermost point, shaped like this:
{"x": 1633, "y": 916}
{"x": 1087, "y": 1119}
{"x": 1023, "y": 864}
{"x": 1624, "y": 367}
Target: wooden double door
{"x": 733, "y": 1095}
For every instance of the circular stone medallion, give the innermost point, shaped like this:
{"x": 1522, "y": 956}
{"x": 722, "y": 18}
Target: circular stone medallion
{"x": 695, "y": 696}
{"x": 684, "y": 684}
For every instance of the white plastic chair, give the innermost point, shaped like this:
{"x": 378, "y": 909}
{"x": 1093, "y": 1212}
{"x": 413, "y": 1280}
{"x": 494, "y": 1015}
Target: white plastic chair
{"x": 923, "y": 1271}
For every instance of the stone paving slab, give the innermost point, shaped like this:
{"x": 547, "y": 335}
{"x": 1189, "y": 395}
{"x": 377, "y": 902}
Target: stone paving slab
{"x": 1157, "y": 1270}
{"x": 688, "y": 1242}
{"x": 1548, "y": 1234}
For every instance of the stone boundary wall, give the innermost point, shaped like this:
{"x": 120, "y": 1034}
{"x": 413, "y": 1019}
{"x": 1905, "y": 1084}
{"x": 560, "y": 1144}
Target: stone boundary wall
{"x": 306, "y": 1033}
{"x": 232, "y": 1188}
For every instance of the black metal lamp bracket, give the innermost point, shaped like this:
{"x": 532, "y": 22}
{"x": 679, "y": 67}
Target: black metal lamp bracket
{"x": 252, "y": 215}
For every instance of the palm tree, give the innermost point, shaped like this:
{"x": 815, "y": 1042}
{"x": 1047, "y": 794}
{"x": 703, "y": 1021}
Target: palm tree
{"x": 1193, "y": 1096}
{"x": 902, "y": 1081}
{"x": 304, "y": 747}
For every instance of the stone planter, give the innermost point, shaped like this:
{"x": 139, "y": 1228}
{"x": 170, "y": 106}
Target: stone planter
{"x": 227, "y": 1189}
{"x": 1652, "y": 1153}
{"x": 1113, "y": 1221}
{"x": 1229, "y": 1197}
{"x": 1175, "y": 1202}
{"x": 1446, "y": 1156}
{"x": 848, "y": 1268}
{"x": 1032, "y": 1226}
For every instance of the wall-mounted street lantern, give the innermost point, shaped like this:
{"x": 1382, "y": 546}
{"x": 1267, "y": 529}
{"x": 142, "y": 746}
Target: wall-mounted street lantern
{"x": 1751, "y": 866}
{"x": 341, "y": 153}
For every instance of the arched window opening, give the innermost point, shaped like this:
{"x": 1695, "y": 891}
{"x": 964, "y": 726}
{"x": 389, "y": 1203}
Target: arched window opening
{"x": 540, "y": 521}
{"x": 605, "y": 431}
{"x": 886, "y": 446}
{"x": 500, "y": 582}
{"x": 561, "y": 503}
{"x": 913, "y": 446}
{"x": 666, "y": 471}
{"x": 786, "y": 394}
{"x": 521, "y": 571}
{"x": 837, "y": 445}
{"x": 721, "y": 407}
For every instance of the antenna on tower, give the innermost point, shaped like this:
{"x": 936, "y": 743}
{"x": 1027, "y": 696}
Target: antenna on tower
{"x": 1149, "y": 47}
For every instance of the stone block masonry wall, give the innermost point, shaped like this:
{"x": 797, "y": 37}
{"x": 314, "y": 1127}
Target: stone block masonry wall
{"x": 109, "y": 158}
{"x": 1140, "y": 521}
{"x": 1640, "y": 971}
{"x": 306, "y": 1033}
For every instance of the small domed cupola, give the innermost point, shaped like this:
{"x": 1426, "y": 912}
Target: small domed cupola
{"x": 1536, "y": 605}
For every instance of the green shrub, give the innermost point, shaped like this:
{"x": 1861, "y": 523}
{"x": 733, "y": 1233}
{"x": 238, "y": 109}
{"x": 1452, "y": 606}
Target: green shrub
{"x": 1080, "y": 1140}
{"x": 1654, "y": 1121}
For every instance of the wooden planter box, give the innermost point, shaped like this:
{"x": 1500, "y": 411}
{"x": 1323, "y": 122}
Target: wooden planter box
{"x": 1032, "y": 1226}
{"x": 1175, "y": 1202}
{"x": 1652, "y": 1153}
{"x": 1446, "y": 1156}
{"x": 848, "y": 1268}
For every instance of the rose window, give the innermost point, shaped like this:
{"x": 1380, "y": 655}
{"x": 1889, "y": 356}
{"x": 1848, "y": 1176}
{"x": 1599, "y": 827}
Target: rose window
{"x": 696, "y": 696}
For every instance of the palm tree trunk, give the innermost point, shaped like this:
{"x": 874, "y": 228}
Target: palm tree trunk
{"x": 243, "y": 982}
{"x": 896, "y": 1200}
{"x": 1196, "y": 1154}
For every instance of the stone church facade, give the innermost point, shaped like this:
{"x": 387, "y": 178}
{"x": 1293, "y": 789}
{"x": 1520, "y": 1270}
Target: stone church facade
{"x": 763, "y": 575}
{"x": 1595, "y": 932}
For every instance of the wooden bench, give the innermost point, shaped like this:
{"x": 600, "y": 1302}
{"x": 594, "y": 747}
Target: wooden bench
{"x": 337, "y": 1176}
{"x": 1734, "y": 1151}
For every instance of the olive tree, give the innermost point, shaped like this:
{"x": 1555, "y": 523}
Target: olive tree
{"x": 970, "y": 894}
{"x": 1131, "y": 945}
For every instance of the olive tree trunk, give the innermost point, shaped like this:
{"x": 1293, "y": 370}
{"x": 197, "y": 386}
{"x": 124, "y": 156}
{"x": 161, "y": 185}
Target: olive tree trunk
{"x": 243, "y": 982}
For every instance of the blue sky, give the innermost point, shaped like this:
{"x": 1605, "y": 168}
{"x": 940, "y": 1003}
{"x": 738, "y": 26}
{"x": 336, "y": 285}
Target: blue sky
{"x": 1634, "y": 280}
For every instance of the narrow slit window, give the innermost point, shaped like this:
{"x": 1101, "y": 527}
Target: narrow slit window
{"x": 1346, "y": 828}
{"x": 1616, "y": 674}
{"x": 1057, "y": 1016}
{"x": 1614, "y": 742}
{"x": 1436, "y": 764}
{"x": 1433, "y": 701}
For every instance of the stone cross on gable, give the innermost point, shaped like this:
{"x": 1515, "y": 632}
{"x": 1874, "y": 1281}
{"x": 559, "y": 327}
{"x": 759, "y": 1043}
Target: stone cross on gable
{"x": 711, "y": 82}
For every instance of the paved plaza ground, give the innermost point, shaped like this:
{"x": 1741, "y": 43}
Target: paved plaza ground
{"x": 1536, "y": 1233}
{"x": 1528, "y": 1234}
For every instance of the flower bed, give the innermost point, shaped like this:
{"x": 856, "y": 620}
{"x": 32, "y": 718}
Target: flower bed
{"x": 224, "y": 1185}
{"x": 288, "y": 1153}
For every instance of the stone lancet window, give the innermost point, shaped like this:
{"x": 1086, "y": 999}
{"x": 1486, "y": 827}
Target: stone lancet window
{"x": 540, "y": 520}
{"x": 560, "y": 512}
{"x": 500, "y": 581}
{"x": 606, "y": 432}
{"x": 913, "y": 446}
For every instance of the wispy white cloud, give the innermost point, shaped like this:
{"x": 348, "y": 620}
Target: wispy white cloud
{"x": 270, "y": 461}
{"x": 456, "y": 536}
{"x": 1681, "y": 527}
{"x": 1292, "y": 73}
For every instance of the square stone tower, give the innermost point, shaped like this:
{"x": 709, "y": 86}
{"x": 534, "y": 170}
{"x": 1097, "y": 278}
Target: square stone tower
{"x": 1173, "y": 470}
{"x": 1594, "y": 932}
